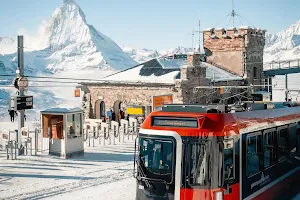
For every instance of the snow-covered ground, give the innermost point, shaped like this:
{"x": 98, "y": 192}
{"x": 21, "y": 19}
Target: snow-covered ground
{"x": 104, "y": 172}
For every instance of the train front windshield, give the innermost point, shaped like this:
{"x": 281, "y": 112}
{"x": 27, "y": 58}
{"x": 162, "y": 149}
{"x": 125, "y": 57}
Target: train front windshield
{"x": 157, "y": 157}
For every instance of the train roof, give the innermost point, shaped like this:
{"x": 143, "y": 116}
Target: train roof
{"x": 187, "y": 119}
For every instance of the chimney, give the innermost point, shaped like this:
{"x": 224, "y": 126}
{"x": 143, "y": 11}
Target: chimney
{"x": 193, "y": 59}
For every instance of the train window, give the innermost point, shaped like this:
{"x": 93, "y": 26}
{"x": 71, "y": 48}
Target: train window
{"x": 199, "y": 164}
{"x": 254, "y": 152}
{"x": 282, "y": 141}
{"x": 298, "y": 141}
{"x": 157, "y": 155}
{"x": 293, "y": 140}
{"x": 269, "y": 154}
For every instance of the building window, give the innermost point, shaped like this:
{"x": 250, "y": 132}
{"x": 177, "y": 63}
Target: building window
{"x": 254, "y": 151}
{"x": 102, "y": 109}
{"x": 269, "y": 155}
{"x": 282, "y": 140}
{"x": 254, "y": 72}
{"x": 293, "y": 140}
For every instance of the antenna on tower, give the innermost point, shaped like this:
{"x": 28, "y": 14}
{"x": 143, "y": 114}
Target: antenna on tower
{"x": 199, "y": 36}
{"x": 199, "y": 40}
{"x": 193, "y": 33}
{"x": 233, "y": 13}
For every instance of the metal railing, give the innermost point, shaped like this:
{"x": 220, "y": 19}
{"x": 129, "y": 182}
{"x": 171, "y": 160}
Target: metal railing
{"x": 283, "y": 64}
{"x": 111, "y": 133}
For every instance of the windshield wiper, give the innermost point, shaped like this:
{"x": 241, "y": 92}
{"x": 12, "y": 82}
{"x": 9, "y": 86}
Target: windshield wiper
{"x": 143, "y": 174}
{"x": 156, "y": 180}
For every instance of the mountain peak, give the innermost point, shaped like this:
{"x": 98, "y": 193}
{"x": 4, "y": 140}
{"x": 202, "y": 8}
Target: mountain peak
{"x": 69, "y": 2}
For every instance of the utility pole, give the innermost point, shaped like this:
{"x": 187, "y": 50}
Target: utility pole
{"x": 286, "y": 87}
{"x": 233, "y": 13}
{"x": 193, "y": 40}
{"x": 199, "y": 31}
{"x": 20, "y": 74}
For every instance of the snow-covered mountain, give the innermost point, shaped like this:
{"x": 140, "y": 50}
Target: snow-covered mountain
{"x": 66, "y": 45}
{"x": 284, "y": 45}
{"x": 177, "y": 50}
{"x": 72, "y": 44}
{"x": 7, "y": 45}
{"x": 140, "y": 55}
{"x": 143, "y": 55}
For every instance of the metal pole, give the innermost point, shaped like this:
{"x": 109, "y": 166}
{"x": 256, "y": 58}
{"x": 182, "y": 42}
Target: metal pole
{"x": 286, "y": 87}
{"x": 21, "y": 90}
{"x": 268, "y": 84}
{"x": 193, "y": 40}
{"x": 199, "y": 36}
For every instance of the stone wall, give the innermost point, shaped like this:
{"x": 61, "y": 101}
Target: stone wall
{"x": 183, "y": 90}
{"x": 136, "y": 95}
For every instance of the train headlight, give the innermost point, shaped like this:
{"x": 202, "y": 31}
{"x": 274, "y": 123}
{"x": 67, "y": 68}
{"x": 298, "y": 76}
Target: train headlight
{"x": 219, "y": 195}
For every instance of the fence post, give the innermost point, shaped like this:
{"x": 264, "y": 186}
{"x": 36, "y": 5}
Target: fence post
{"x": 104, "y": 135}
{"x": 26, "y": 143}
{"x": 124, "y": 129}
{"x": 36, "y": 141}
{"x": 109, "y": 135}
{"x": 114, "y": 135}
{"x": 119, "y": 134}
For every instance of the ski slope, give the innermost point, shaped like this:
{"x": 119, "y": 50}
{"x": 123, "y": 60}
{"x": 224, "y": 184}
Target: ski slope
{"x": 104, "y": 172}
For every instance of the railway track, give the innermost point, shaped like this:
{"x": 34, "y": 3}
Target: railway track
{"x": 115, "y": 175}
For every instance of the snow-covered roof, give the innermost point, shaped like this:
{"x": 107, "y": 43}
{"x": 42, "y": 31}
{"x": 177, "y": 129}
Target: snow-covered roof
{"x": 62, "y": 110}
{"x": 171, "y": 64}
{"x": 150, "y": 72}
{"x": 244, "y": 27}
{"x": 208, "y": 29}
{"x": 231, "y": 28}
{"x": 166, "y": 71}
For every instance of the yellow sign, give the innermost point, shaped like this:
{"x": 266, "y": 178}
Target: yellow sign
{"x": 135, "y": 111}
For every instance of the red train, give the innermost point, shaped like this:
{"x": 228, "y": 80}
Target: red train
{"x": 193, "y": 152}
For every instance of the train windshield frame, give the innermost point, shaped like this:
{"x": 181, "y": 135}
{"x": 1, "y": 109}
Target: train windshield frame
{"x": 157, "y": 157}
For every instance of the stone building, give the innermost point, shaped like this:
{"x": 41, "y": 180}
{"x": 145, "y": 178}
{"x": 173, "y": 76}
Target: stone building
{"x": 239, "y": 51}
{"x": 233, "y": 57}
{"x": 137, "y": 85}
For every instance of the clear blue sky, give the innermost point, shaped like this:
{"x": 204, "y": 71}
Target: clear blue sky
{"x": 156, "y": 24}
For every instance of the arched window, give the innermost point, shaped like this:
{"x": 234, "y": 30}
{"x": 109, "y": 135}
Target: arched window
{"x": 102, "y": 109}
{"x": 254, "y": 72}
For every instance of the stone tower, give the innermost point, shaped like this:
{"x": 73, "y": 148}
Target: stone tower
{"x": 238, "y": 51}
